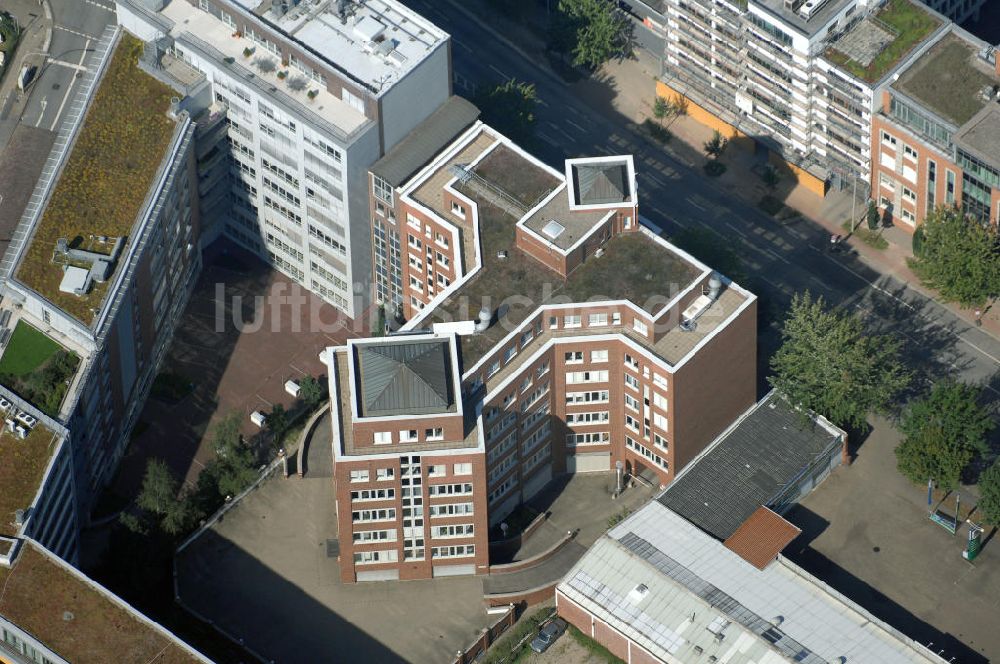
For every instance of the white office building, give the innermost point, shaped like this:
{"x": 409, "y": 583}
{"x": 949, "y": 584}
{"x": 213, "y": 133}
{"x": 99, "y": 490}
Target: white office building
{"x": 314, "y": 92}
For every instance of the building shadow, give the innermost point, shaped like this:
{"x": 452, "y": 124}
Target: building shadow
{"x": 948, "y": 646}
{"x": 247, "y": 601}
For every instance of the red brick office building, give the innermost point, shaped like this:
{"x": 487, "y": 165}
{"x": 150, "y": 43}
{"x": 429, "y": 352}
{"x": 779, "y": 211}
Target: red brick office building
{"x": 547, "y": 333}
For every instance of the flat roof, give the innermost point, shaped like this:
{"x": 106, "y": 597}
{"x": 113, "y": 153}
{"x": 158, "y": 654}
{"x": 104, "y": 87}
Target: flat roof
{"x": 196, "y": 28}
{"x": 808, "y": 27}
{"x": 426, "y": 140}
{"x": 980, "y": 136}
{"x": 748, "y": 465}
{"x": 874, "y": 46}
{"x": 104, "y": 181}
{"x": 79, "y": 620}
{"x": 557, "y": 224}
{"x": 683, "y": 596}
{"x": 950, "y": 78}
{"x": 22, "y": 469}
{"x": 376, "y": 41}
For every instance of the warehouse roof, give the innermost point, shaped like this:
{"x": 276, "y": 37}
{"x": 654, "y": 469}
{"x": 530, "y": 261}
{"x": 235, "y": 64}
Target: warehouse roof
{"x": 748, "y": 465}
{"x": 683, "y": 596}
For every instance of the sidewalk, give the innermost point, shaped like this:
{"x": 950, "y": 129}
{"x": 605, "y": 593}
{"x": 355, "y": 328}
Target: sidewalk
{"x": 633, "y": 99}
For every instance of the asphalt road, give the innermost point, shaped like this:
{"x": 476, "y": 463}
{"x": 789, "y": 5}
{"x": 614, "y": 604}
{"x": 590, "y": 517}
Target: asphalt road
{"x": 78, "y": 25}
{"x": 781, "y": 260}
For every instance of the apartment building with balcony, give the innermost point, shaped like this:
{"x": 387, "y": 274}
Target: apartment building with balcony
{"x": 564, "y": 337}
{"x": 103, "y": 261}
{"x": 310, "y": 94}
{"x": 799, "y": 78}
{"x": 936, "y": 136}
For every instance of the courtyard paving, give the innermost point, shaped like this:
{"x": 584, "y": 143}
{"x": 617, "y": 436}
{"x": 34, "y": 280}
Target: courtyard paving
{"x": 236, "y": 361}
{"x": 263, "y": 575}
{"x": 866, "y": 533}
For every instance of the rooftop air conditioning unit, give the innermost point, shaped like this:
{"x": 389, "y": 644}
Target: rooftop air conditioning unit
{"x": 811, "y": 7}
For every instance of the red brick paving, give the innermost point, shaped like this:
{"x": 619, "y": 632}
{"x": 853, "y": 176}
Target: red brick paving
{"x": 232, "y": 371}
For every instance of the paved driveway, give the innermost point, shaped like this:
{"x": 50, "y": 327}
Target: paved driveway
{"x": 263, "y": 574}
{"x": 866, "y": 533}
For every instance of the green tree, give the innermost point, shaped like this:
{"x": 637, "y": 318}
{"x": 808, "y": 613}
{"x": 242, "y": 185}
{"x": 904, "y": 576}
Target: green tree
{"x": 828, "y": 363}
{"x": 277, "y": 421}
{"x": 595, "y": 31}
{"x": 872, "y": 216}
{"x": 510, "y": 108}
{"x": 661, "y": 108}
{"x": 771, "y": 177}
{"x": 715, "y": 146}
{"x": 236, "y": 464}
{"x": 312, "y": 392}
{"x": 942, "y": 432}
{"x": 958, "y": 257}
{"x": 989, "y": 494}
{"x": 159, "y": 496}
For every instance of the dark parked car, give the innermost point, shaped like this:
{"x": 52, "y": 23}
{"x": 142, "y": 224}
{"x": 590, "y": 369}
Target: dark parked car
{"x": 548, "y": 634}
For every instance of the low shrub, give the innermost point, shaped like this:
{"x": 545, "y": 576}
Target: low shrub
{"x": 715, "y": 168}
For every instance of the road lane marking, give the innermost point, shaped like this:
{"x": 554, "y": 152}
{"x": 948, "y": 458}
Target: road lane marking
{"x": 43, "y": 103}
{"x": 63, "y": 63}
{"x": 879, "y": 289}
{"x": 505, "y": 76}
{"x": 101, "y": 5}
{"x": 578, "y": 127}
{"x": 69, "y": 89}
{"x": 75, "y": 32}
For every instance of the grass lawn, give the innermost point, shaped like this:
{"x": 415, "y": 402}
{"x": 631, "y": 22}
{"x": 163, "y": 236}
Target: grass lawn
{"x": 872, "y": 238}
{"x": 596, "y": 650}
{"x": 911, "y": 23}
{"x": 28, "y": 349}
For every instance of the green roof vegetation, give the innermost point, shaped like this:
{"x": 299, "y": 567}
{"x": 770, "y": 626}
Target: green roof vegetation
{"x": 74, "y": 619}
{"x": 516, "y": 176}
{"x": 948, "y": 81}
{"x": 22, "y": 466}
{"x": 633, "y": 268}
{"x": 911, "y": 24}
{"x": 106, "y": 177}
{"x": 37, "y": 368}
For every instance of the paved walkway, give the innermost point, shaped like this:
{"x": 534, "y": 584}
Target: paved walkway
{"x": 319, "y": 453}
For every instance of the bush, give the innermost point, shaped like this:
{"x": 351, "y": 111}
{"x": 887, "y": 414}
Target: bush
{"x": 918, "y": 241}
{"x": 659, "y": 132}
{"x": 989, "y": 490}
{"x": 715, "y": 168}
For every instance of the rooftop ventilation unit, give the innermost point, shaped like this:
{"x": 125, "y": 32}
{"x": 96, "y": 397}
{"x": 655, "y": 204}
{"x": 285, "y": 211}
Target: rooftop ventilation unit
{"x": 811, "y": 7}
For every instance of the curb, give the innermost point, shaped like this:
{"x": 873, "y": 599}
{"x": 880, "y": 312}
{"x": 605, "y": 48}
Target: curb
{"x": 48, "y": 31}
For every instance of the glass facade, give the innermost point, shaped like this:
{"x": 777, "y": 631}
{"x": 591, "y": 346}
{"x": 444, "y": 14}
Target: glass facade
{"x": 936, "y": 132}
{"x": 978, "y": 181}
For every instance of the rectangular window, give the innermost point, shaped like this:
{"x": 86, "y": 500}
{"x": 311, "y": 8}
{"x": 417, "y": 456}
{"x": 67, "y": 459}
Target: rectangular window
{"x": 632, "y": 381}
{"x": 631, "y": 402}
{"x": 451, "y": 509}
{"x": 359, "y": 475}
{"x": 660, "y": 422}
{"x": 598, "y": 356}
{"x": 462, "y": 468}
{"x": 596, "y": 438}
{"x": 438, "y": 470}
{"x": 457, "y": 209}
{"x": 574, "y": 357}
{"x": 384, "y": 474}
{"x": 407, "y": 435}
{"x": 571, "y": 321}
{"x": 449, "y": 489}
{"x": 660, "y": 401}
{"x": 437, "y": 433}
{"x": 577, "y": 377}
{"x": 640, "y": 327}
{"x": 599, "y": 396}
{"x": 460, "y": 551}
{"x": 909, "y": 152}
{"x": 597, "y": 320}
{"x": 373, "y": 494}
{"x": 375, "y": 557}
{"x": 457, "y": 530}
{"x": 383, "y": 437}
{"x": 949, "y": 192}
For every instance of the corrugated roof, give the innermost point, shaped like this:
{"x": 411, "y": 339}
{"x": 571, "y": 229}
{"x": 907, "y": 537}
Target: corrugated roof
{"x": 761, "y": 537}
{"x": 426, "y": 140}
{"x": 748, "y": 466}
{"x": 405, "y": 378}
{"x": 701, "y": 600}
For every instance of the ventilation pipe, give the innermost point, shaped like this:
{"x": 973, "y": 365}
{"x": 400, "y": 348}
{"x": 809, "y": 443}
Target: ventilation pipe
{"x": 714, "y": 286}
{"x": 483, "y": 322}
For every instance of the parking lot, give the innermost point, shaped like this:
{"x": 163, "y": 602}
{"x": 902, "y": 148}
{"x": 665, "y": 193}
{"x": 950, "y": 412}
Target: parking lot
{"x": 866, "y": 532}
